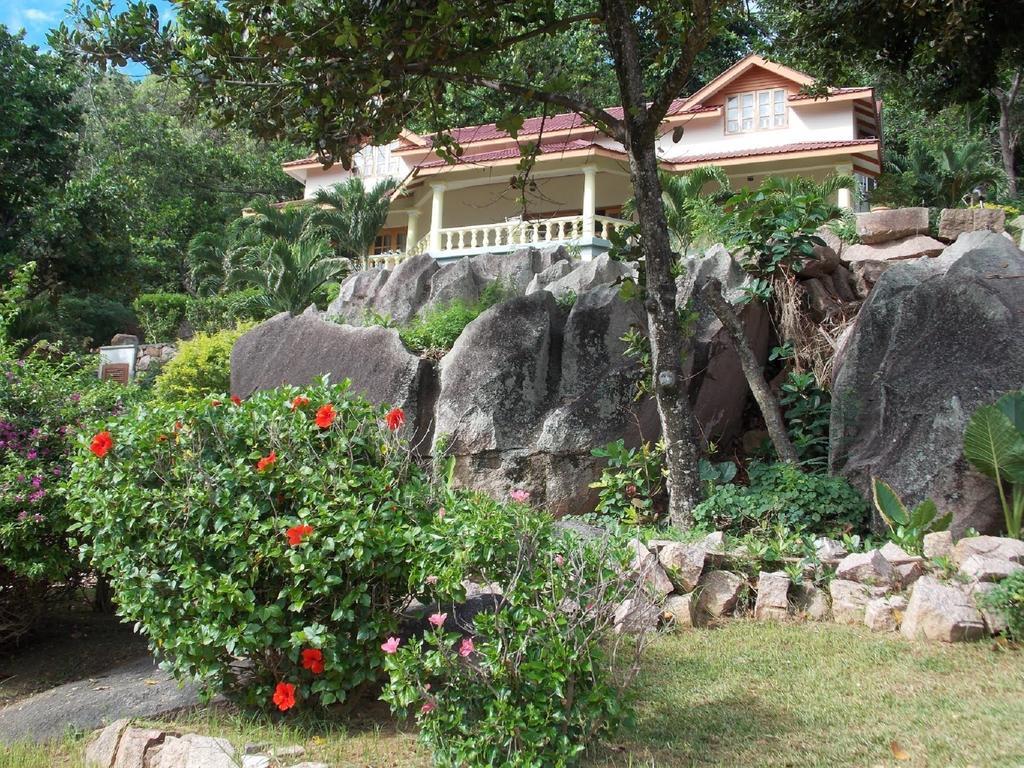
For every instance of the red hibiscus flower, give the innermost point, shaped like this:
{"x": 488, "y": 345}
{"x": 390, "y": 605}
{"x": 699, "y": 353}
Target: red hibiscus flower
{"x": 236, "y": 400}
{"x": 313, "y": 660}
{"x": 299, "y": 401}
{"x": 297, "y": 533}
{"x": 266, "y": 461}
{"x": 101, "y": 443}
{"x": 325, "y": 416}
{"x": 215, "y": 403}
{"x": 284, "y": 696}
{"x": 395, "y": 418}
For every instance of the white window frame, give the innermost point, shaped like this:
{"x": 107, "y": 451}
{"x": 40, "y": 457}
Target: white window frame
{"x": 747, "y": 111}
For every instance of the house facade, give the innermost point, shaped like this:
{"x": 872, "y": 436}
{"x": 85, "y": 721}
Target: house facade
{"x": 754, "y": 120}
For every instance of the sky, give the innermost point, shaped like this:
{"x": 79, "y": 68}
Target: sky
{"x": 37, "y": 17}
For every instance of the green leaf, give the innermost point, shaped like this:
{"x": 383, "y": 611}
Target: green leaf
{"x": 888, "y": 503}
{"x": 992, "y": 444}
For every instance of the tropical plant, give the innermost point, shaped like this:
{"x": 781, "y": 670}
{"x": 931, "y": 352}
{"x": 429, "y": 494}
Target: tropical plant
{"x": 631, "y": 488}
{"x": 962, "y": 168}
{"x": 994, "y": 444}
{"x": 681, "y": 194}
{"x": 290, "y": 273}
{"x": 907, "y": 528}
{"x": 211, "y": 258}
{"x": 202, "y": 367}
{"x": 1007, "y": 600}
{"x": 807, "y": 409}
{"x": 352, "y": 216}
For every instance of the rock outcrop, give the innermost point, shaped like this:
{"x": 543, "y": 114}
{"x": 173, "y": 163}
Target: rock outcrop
{"x": 936, "y": 339}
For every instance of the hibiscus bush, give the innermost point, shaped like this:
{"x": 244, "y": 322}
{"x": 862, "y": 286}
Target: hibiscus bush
{"x": 47, "y": 398}
{"x": 535, "y": 676}
{"x": 263, "y": 547}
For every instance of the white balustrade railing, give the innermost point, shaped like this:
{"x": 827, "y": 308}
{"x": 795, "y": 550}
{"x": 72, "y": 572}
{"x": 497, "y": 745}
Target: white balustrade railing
{"x": 507, "y": 235}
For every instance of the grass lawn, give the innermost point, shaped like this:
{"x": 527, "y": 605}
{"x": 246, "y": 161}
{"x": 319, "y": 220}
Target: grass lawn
{"x": 743, "y": 694}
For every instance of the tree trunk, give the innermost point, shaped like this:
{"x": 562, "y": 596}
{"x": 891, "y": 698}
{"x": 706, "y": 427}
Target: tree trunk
{"x": 711, "y": 294}
{"x": 1007, "y": 140}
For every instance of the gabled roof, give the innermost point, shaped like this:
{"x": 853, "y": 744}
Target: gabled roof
{"x": 740, "y": 68}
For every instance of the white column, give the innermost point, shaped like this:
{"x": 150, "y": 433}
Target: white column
{"x": 436, "y": 217}
{"x": 412, "y": 230}
{"x": 844, "y": 197}
{"x": 589, "y": 200}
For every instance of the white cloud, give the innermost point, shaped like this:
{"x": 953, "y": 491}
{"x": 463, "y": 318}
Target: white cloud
{"x": 36, "y": 15}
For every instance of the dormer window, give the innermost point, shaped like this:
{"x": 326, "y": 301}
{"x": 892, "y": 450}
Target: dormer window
{"x": 755, "y": 111}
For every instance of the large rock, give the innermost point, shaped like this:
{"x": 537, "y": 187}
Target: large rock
{"x": 936, "y": 339}
{"x": 646, "y": 568}
{"x": 938, "y": 544}
{"x": 406, "y": 290}
{"x": 195, "y": 751}
{"x": 356, "y": 296}
{"x": 998, "y": 547}
{"x": 515, "y": 270}
{"x": 296, "y": 350}
{"x": 683, "y": 563}
{"x": 850, "y": 599}
{"x": 681, "y": 610}
{"x": 912, "y": 247}
{"x": 869, "y": 568}
{"x": 883, "y": 614}
{"x": 941, "y": 612}
{"x": 542, "y": 279}
{"x": 883, "y": 226}
{"x": 772, "y": 596}
{"x": 982, "y": 568}
{"x": 456, "y": 281}
{"x": 953, "y": 222}
{"x": 811, "y": 602}
{"x": 601, "y": 270}
{"x": 719, "y": 593}
{"x": 523, "y": 400}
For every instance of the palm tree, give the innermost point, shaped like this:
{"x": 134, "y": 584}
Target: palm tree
{"x": 962, "y": 169}
{"x": 826, "y": 189}
{"x": 210, "y": 259}
{"x": 351, "y": 216}
{"x": 289, "y": 273}
{"x": 682, "y": 194}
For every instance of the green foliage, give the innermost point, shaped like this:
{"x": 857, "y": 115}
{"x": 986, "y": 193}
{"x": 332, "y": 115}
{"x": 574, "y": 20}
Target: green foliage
{"x": 435, "y": 331}
{"x": 1007, "y": 600}
{"x": 290, "y": 274}
{"x": 209, "y": 314}
{"x": 631, "y": 488}
{"x": 195, "y": 540}
{"x": 353, "y": 215}
{"x": 160, "y": 314}
{"x": 807, "y": 408}
{"x": 715, "y": 473}
{"x": 536, "y": 681}
{"x": 907, "y": 527}
{"x": 201, "y": 367}
{"x": 994, "y": 444}
{"x": 687, "y": 206}
{"x": 939, "y": 176}
{"x": 783, "y": 494}
{"x": 92, "y": 319}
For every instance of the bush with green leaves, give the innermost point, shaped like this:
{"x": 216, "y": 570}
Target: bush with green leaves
{"x": 907, "y": 527}
{"x": 209, "y": 314}
{"x": 264, "y": 548}
{"x": 631, "y": 488}
{"x": 532, "y": 681}
{"x": 201, "y": 367}
{"x": 1006, "y": 600}
{"x": 47, "y": 399}
{"x": 436, "y": 330}
{"x": 783, "y": 494}
{"x": 160, "y": 314}
{"x": 994, "y": 444}
{"x": 93, "y": 319}
{"x": 807, "y": 411}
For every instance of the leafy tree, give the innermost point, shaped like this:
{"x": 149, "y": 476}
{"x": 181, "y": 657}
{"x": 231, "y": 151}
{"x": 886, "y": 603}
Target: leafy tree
{"x": 352, "y": 216}
{"x": 289, "y": 273}
{"x": 681, "y": 192}
{"x": 336, "y": 75}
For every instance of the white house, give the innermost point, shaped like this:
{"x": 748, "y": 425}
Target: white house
{"x": 753, "y": 120}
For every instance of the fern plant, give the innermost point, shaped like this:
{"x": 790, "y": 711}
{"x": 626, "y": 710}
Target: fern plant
{"x": 994, "y": 444}
{"x": 907, "y": 527}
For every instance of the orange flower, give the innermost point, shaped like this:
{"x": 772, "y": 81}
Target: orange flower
{"x": 299, "y": 401}
{"x": 284, "y": 696}
{"x": 236, "y": 400}
{"x": 297, "y": 533}
{"x": 266, "y": 461}
{"x": 215, "y": 403}
{"x": 101, "y": 444}
{"x": 395, "y": 418}
{"x": 325, "y": 416}
{"x": 313, "y": 660}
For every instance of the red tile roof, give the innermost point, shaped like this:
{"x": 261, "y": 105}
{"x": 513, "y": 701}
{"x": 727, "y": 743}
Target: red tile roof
{"x": 501, "y": 154}
{"x": 781, "y": 149}
{"x": 832, "y": 92}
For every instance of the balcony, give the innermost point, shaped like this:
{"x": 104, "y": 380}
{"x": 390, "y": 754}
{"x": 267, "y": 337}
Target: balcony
{"x": 589, "y": 238}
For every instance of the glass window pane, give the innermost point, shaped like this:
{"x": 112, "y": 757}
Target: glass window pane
{"x": 780, "y": 96}
{"x": 732, "y": 126}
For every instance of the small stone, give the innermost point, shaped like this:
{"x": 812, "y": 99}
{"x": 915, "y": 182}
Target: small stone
{"x": 715, "y": 543}
{"x": 131, "y": 750}
{"x": 829, "y": 550}
{"x": 884, "y": 614}
{"x": 989, "y": 546}
{"x": 811, "y": 602}
{"x": 308, "y": 764}
{"x": 256, "y": 761}
{"x": 683, "y": 563}
{"x": 292, "y": 750}
{"x": 719, "y": 593}
{"x": 938, "y": 544}
{"x": 195, "y": 751}
{"x": 772, "y": 596}
{"x": 941, "y": 612}
{"x": 680, "y": 610}
{"x": 850, "y": 599}
{"x": 101, "y": 751}
{"x": 867, "y": 568}
{"x": 896, "y": 555}
{"x": 635, "y": 617}
{"x": 255, "y": 748}
{"x": 982, "y": 568}
{"x": 656, "y": 545}
{"x": 646, "y": 567}
{"x": 908, "y": 573}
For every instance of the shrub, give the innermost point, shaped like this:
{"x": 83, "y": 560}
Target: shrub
{"x": 1007, "y": 600}
{"x": 436, "y": 330}
{"x": 907, "y": 527}
{"x": 781, "y": 494}
{"x": 243, "y": 539}
{"x": 161, "y": 314}
{"x": 631, "y": 488}
{"x": 202, "y": 367}
{"x": 93, "y": 318}
{"x": 532, "y": 681}
{"x": 209, "y": 314}
{"x": 807, "y": 410}
{"x": 45, "y": 401}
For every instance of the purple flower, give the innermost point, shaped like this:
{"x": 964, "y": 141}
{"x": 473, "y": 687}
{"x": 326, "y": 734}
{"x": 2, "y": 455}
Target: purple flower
{"x": 37, "y": 496}
{"x": 32, "y": 455}
{"x": 75, "y": 397}
{"x": 38, "y": 517}
{"x": 22, "y": 516}
{"x": 56, "y": 471}
{"x": 37, "y": 481}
